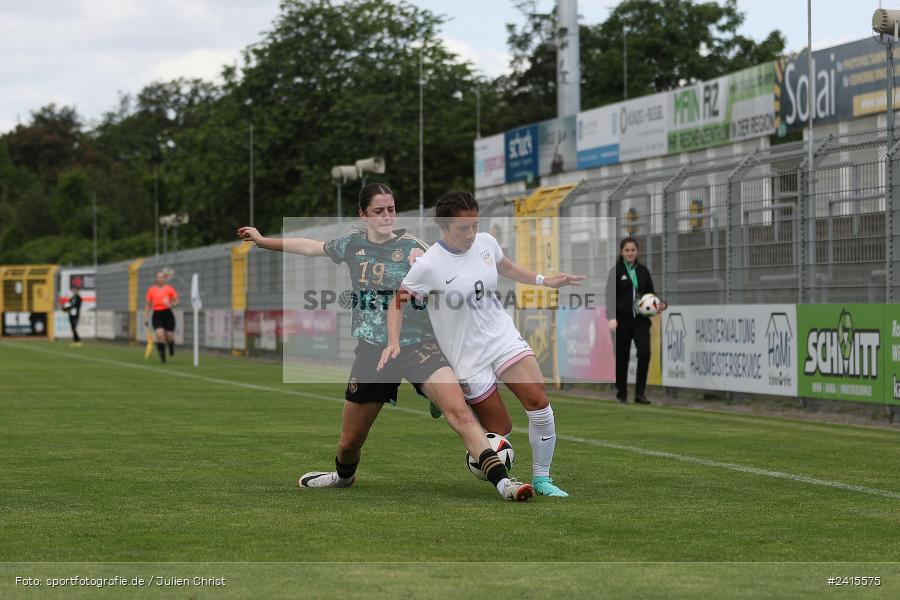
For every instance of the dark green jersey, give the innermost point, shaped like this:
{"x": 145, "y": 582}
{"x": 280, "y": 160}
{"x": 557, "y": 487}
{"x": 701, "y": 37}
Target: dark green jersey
{"x": 376, "y": 271}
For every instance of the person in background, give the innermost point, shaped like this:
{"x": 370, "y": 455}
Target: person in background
{"x": 628, "y": 281}
{"x": 161, "y": 299}
{"x": 73, "y": 309}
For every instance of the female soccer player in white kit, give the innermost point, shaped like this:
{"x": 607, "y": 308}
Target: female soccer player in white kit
{"x": 478, "y": 337}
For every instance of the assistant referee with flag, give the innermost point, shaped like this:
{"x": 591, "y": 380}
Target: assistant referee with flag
{"x": 161, "y": 299}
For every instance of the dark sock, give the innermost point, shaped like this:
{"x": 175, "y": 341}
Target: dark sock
{"x": 345, "y": 471}
{"x": 161, "y": 348}
{"x": 492, "y": 467}
{"x": 171, "y": 348}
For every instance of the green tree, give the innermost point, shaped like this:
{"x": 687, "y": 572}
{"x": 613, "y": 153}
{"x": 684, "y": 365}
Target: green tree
{"x": 528, "y": 92}
{"x": 330, "y": 83}
{"x": 72, "y": 204}
{"x": 50, "y": 143}
{"x": 670, "y": 43}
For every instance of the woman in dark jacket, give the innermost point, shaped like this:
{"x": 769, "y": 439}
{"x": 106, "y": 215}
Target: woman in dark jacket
{"x": 628, "y": 281}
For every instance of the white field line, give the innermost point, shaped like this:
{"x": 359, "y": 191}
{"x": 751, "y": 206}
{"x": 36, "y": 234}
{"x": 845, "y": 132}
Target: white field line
{"x": 579, "y": 440}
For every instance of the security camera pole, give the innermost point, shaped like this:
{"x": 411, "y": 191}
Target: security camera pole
{"x": 344, "y": 173}
{"x": 172, "y": 220}
{"x": 341, "y": 175}
{"x": 373, "y": 165}
{"x": 887, "y": 23}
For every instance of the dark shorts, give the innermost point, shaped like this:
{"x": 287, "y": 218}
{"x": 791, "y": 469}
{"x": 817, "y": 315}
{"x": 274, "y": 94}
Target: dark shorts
{"x": 163, "y": 319}
{"x": 415, "y": 363}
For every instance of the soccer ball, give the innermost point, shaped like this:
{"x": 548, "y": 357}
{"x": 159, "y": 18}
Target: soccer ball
{"x": 648, "y": 305}
{"x": 503, "y": 449}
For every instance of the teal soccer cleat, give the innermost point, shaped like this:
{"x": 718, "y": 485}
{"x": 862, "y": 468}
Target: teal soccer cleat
{"x": 543, "y": 486}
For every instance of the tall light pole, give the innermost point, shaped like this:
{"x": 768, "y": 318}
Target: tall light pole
{"x": 477, "y": 111}
{"x": 625, "y": 60}
{"x": 811, "y": 88}
{"x": 94, "y": 224}
{"x": 421, "y": 131}
{"x": 568, "y": 60}
{"x": 156, "y": 205}
{"x": 251, "y": 174}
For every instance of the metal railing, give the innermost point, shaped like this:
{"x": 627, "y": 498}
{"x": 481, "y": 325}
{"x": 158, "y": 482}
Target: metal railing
{"x": 763, "y": 227}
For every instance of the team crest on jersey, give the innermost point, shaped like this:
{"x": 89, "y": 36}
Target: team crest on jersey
{"x": 352, "y": 387}
{"x": 466, "y": 388}
{"x": 487, "y": 258}
{"x": 361, "y": 252}
{"x": 397, "y": 255}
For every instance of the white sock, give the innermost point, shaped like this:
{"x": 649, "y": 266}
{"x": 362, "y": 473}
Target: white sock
{"x": 542, "y": 436}
{"x": 502, "y": 485}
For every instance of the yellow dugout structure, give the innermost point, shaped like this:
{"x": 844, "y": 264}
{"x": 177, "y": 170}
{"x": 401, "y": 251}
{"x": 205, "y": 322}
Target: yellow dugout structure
{"x": 538, "y": 248}
{"x": 27, "y": 300}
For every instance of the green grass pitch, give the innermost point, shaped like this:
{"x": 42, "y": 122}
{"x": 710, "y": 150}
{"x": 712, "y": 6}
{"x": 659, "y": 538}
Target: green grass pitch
{"x": 116, "y": 466}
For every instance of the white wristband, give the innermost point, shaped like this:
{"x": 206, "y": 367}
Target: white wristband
{"x": 539, "y": 279}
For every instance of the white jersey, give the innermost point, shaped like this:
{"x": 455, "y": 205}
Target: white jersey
{"x": 469, "y": 322}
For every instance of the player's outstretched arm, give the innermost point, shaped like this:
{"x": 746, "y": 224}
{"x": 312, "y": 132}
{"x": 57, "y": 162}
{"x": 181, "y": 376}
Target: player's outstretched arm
{"x": 394, "y": 325}
{"x": 302, "y": 246}
{"x": 517, "y": 272}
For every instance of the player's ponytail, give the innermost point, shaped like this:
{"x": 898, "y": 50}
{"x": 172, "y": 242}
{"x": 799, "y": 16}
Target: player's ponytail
{"x": 451, "y": 204}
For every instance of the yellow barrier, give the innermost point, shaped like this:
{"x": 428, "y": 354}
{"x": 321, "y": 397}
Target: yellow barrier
{"x": 133, "y": 296}
{"x": 654, "y": 376}
{"x": 239, "y": 276}
{"x": 239, "y": 283}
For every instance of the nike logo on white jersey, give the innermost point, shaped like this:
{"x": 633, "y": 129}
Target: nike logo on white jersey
{"x": 448, "y": 281}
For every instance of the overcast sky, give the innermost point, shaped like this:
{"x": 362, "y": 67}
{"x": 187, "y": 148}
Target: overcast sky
{"x": 82, "y": 53}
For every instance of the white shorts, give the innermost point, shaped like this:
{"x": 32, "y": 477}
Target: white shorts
{"x": 483, "y": 383}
